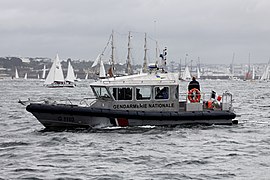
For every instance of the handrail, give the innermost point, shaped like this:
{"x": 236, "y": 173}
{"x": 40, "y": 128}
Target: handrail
{"x": 153, "y": 81}
{"x": 67, "y": 101}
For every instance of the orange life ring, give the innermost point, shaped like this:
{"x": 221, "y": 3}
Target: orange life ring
{"x": 194, "y": 95}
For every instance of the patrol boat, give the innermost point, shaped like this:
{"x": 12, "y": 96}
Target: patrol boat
{"x": 136, "y": 100}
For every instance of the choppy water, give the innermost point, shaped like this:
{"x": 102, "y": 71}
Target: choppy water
{"x": 215, "y": 152}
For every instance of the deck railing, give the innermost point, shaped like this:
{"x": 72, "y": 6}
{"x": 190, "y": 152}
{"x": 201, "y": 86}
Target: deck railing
{"x": 224, "y": 103}
{"x": 87, "y": 102}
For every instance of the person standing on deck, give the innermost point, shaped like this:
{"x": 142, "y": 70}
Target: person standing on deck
{"x": 194, "y": 84}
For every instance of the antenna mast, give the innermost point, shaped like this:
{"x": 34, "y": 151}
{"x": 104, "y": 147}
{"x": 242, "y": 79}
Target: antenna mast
{"x": 129, "y": 68}
{"x": 111, "y": 70}
{"x": 145, "y": 55}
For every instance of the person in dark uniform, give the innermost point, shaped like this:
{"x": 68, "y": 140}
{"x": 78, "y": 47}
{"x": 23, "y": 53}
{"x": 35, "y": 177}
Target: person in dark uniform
{"x": 194, "y": 84}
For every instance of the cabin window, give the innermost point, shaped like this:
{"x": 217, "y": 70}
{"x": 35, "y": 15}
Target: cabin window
{"x": 143, "y": 93}
{"x": 122, "y": 93}
{"x": 177, "y": 93}
{"x": 101, "y": 92}
{"x": 161, "y": 92}
{"x": 114, "y": 93}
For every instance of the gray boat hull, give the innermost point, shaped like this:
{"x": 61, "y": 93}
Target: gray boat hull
{"x": 72, "y": 116}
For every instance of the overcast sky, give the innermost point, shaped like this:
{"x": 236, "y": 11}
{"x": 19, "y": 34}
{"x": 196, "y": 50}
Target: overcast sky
{"x": 79, "y": 29}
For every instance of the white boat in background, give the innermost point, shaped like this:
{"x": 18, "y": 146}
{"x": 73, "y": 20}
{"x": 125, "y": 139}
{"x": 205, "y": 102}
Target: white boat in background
{"x": 198, "y": 73}
{"x": 55, "y": 76}
{"x": 25, "y": 76}
{"x": 186, "y": 75}
{"x": 70, "y": 79}
{"x": 253, "y": 73}
{"x": 266, "y": 73}
{"x": 77, "y": 79}
{"x": 16, "y": 74}
{"x": 86, "y": 76}
{"x": 102, "y": 72}
{"x": 44, "y": 72}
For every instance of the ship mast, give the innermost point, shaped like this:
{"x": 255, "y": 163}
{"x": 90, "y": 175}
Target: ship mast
{"x": 111, "y": 70}
{"x": 232, "y": 66}
{"x": 129, "y": 68}
{"x": 145, "y": 55}
{"x": 157, "y": 50}
{"x": 180, "y": 67}
{"x": 157, "y": 53}
{"x": 248, "y": 74}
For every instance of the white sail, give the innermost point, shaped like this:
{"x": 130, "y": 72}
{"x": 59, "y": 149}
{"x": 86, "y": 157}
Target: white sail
{"x": 253, "y": 73}
{"x": 96, "y": 61}
{"x": 70, "y": 73}
{"x": 38, "y": 76}
{"x": 44, "y": 72}
{"x": 102, "y": 72}
{"x": 16, "y": 74}
{"x": 186, "y": 74}
{"x": 198, "y": 73}
{"x": 55, "y": 73}
{"x": 25, "y": 76}
{"x": 86, "y": 76}
{"x": 266, "y": 73}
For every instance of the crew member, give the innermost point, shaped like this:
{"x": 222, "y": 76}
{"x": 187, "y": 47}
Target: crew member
{"x": 194, "y": 90}
{"x": 194, "y": 84}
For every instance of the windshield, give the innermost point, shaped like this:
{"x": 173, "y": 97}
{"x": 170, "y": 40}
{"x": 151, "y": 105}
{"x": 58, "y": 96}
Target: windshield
{"x": 101, "y": 92}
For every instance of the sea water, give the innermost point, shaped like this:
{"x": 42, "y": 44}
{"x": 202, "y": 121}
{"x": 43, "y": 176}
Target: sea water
{"x": 199, "y": 152}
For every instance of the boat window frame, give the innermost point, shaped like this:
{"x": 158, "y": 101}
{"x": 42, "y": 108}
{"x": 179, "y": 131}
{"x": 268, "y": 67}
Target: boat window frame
{"x": 177, "y": 92}
{"x": 150, "y": 97}
{"x": 154, "y": 92}
{"x": 99, "y": 96}
{"x": 117, "y": 93}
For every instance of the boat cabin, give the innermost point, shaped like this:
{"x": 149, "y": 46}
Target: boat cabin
{"x": 142, "y": 92}
{"x": 151, "y": 92}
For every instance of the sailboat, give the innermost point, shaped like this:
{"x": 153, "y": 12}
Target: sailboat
{"x": 186, "y": 74}
{"x": 25, "y": 76}
{"x": 198, "y": 73}
{"x": 70, "y": 75}
{"x": 266, "y": 73}
{"x": 43, "y": 73}
{"x": 248, "y": 75}
{"x": 55, "y": 76}
{"x": 16, "y": 74}
{"x": 102, "y": 72}
{"x": 253, "y": 73}
{"x": 86, "y": 76}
